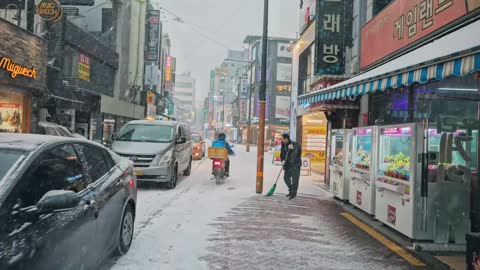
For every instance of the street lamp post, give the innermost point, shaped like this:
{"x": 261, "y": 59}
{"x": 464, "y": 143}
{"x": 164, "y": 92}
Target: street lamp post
{"x": 262, "y": 99}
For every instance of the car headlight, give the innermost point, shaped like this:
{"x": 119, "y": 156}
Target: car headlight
{"x": 166, "y": 159}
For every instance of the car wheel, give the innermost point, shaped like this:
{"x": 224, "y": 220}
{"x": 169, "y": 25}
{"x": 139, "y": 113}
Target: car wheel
{"x": 188, "y": 171}
{"x": 126, "y": 231}
{"x": 173, "y": 179}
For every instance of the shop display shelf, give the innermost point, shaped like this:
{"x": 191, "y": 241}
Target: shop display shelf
{"x": 395, "y": 188}
{"x": 394, "y": 179}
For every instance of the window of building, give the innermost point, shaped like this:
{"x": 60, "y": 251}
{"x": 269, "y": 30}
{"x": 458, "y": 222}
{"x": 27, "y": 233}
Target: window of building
{"x": 379, "y": 5}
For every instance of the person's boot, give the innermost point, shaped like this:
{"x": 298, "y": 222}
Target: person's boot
{"x": 289, "y": 194}
{"x": 291, "y": 197}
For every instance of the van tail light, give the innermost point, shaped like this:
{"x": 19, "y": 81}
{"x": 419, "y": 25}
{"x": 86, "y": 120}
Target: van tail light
{"x": 217, "y": 163}
{"x": 131, "y": 183}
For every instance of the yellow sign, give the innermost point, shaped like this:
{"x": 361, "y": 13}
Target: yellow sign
{"x": 84, "y": 67}
{"x": 15, "y": 69}
{"x": 315, "y": 156}
{"x": 316, "y": 130}
{"x": 50, "y": 10}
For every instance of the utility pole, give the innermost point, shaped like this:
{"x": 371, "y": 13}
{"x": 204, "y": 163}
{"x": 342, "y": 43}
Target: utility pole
{"x": 262, "y": 99}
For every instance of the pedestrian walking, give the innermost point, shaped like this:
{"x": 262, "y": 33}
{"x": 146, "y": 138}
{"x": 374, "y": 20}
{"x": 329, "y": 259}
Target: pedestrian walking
{"x": 291, "y": 157}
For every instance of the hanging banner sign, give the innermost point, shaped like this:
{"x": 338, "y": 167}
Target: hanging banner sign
{"x": 334, "y": 31}
{"x": 50, "y": 10}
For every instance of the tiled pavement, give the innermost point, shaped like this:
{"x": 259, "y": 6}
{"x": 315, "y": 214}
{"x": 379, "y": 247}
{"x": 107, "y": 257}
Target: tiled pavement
{"x": 307, "y": 233}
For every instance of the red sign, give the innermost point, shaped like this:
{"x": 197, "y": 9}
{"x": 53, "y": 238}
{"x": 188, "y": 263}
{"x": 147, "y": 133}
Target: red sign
{"x": 365, "y": 118}
{"x": 404, "y": 22}
{"x": 359, "y": 198}
{"x": 10, "y": 105}
{"x": 392, "y": 215}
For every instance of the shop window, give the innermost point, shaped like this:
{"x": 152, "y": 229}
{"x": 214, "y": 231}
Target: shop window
{"x": 451, "y": 107}
{"x": 12, "y": 112}
{"x": 390, "y": 107}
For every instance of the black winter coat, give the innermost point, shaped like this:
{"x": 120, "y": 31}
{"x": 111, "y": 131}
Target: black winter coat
{"x": 294, "y": 158}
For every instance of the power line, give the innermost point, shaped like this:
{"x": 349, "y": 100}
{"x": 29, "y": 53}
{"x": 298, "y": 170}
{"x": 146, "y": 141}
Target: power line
{"x": 194, "y": 27}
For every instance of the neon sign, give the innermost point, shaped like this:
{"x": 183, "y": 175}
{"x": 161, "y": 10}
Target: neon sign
{"x": 15, "y": 69}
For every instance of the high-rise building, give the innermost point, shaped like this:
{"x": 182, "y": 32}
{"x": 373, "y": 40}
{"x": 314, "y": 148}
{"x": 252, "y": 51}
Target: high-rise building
{"x": 185, "y": 96}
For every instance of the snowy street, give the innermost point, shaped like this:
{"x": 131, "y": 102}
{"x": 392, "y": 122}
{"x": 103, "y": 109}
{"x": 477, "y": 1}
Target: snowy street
{"x": 201, "y": 225}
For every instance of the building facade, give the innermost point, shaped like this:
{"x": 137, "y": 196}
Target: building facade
{"x": 279, "y": 80}
{"x": 184, "y": 95}
{"x": 418, "y": 86}
{"x": 23, "y": 76}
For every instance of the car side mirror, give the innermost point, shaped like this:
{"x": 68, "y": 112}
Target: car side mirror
{"x": 181, "y": 140}
{"x": 114, "y": 136}
{"x": 55, "y": 200}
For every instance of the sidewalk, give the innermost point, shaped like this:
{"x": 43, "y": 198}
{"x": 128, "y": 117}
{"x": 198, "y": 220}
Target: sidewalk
{"x": 313, "y": 231}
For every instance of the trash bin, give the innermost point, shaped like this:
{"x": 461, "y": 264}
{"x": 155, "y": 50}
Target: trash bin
{"x": 473, "y": 251}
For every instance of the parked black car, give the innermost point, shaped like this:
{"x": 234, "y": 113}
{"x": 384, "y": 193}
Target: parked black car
{"x": 65, "y": 203}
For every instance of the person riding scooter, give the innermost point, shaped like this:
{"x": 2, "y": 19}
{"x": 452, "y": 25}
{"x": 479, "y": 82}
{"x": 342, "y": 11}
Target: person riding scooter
{"x": 222, "y": 143}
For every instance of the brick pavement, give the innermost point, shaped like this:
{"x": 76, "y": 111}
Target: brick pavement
{"x": 307, "y": 233}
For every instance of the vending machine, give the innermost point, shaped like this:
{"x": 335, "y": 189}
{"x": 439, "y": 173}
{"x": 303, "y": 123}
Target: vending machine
{"x": 340, "y": 163}
{"x": 362, "y": 173}
{"x": 423, "y": 182}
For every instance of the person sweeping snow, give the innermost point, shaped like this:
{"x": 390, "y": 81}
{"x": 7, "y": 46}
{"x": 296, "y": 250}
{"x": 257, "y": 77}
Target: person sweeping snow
{"x": 291, "y": 157}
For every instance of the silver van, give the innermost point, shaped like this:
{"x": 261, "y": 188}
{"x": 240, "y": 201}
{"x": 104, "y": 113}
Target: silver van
{"x": 160, "y": 150}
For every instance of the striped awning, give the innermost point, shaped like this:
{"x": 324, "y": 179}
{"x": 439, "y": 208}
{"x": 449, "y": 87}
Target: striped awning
{"x": 457, "y": 67}
{"x": 438, "y": 60}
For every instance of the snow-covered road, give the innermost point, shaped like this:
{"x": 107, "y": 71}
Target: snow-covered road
{"x": 201, "y": 225}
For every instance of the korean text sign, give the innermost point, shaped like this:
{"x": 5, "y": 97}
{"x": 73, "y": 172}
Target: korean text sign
{"x": 404, "y": 22}
{"x": 83, "y": 67}
{"x": 153, "y": 36}
{"x": 334, "y": 20}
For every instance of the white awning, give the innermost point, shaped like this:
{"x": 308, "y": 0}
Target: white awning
{"x": 456, "y": 54}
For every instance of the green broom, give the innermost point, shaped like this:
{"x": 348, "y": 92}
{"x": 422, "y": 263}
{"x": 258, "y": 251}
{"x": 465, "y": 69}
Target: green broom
{"x": 274, "y": 187}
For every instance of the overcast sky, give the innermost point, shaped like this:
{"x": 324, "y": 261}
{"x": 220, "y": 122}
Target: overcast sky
{"x": 225, "y": 21}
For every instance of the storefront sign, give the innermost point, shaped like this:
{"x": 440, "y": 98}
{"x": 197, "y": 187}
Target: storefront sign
{"x": 244, "y": 89}
{"x": 16, "y": 69}
{"x": 153, "y": 36}
{"x": 405, "y": 21}
{"x": 168, "y": 73}
{"x": 84, "y": 67}
{"x": 334, "y": 24}
{"x": 283, "y": 87}
{"x": 50, "y": 10}
{"x": 323, "y": 84}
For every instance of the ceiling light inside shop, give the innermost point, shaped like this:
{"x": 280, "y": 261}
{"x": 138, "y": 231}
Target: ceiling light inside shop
{"x": 458, "y": 89}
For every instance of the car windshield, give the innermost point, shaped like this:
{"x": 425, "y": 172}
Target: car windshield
{"x": 196, "y": 139}
{"x": 8, "y": 158}
{"x": 146, "y": 133}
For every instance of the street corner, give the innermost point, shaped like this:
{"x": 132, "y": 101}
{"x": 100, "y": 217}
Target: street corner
{"x": 305, "y": 233}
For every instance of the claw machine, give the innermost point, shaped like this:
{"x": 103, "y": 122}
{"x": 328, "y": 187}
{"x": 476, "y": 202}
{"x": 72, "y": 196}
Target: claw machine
{"x": 340, "y": 163}
{"x": 362, "y": 173}
{"x": 423, "y": 182}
